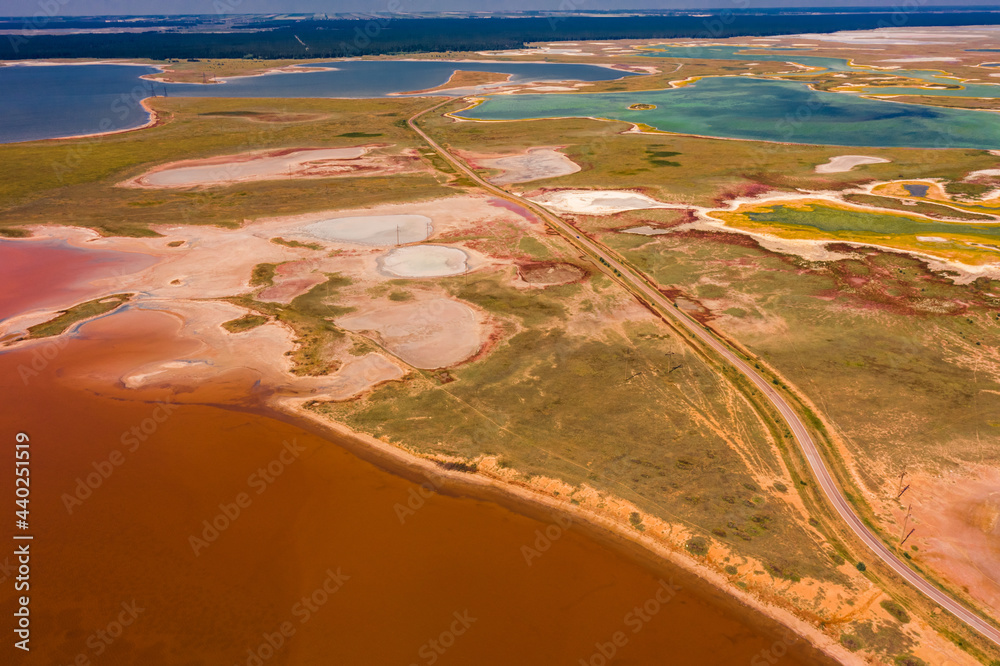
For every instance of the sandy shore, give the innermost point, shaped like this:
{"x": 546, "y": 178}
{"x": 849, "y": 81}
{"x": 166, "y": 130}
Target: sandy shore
{"x": 516, "y": 494}
{"x": 181, "y": 288}
{"x": 154, "y": 120}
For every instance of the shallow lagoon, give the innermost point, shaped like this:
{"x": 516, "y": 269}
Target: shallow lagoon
{"x": 756, "y": 109}
{"x": 747, "y": 54}
{"x": 824, "y": 64}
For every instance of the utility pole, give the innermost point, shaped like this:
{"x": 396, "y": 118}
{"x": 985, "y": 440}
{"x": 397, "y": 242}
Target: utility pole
{"x": 903, "y": 491}
{"x": 905, "y": 521}
{"x": 907, "y": 536}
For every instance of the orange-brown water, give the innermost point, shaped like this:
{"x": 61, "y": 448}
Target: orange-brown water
{"x": 453, "y": 572}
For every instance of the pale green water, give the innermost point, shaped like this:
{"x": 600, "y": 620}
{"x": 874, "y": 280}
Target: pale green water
{"x": 746, "y": 108}
{"x": 745, "y": 54}
{"x": 749, "y": 54}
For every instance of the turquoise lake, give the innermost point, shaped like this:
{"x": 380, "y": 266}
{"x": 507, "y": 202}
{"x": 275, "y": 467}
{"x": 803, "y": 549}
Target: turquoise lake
{"x": 745, "y": 108}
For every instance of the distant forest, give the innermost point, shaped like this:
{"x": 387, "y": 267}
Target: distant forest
{"x": 387, "y": 35}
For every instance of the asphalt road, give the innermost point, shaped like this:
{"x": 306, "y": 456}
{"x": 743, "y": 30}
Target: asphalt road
{"x": 804, "y": 440}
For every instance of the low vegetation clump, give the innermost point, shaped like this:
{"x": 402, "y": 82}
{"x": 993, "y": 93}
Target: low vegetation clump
{"x": 263, "y": 275}
{"x": 851, "y": 642}
{"x": 908, "y": 660}
{"x": 77, "y": 313}
{"x": 454, "y": 466}
{"x": 895, "y": 610}
{"x": 311, "y": 316}
{"x": 244, "y": 323}
{"x": 922, "y": 207}
{"x": 295, "y": 243}
{"x": 970, "y": 190}
{"x": 636, "y": 521}
{"x": 491, "y": 295}
{"x": 697, "y": 546}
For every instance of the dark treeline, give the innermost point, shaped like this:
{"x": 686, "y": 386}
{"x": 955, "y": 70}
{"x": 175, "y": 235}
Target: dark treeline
{"x": 337, "y": 38}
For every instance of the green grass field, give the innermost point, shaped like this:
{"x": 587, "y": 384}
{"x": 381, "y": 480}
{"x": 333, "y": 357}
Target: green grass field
{"x": 901, "y": 361}
{"x": 683, "y": 445}
{"x": 73, "y": 181}
{"x": 690, "y": 169}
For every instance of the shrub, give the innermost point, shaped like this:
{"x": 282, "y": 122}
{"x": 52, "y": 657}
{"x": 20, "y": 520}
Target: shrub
{"x": 895, "y": 610}
{"x": 697, "y": 546}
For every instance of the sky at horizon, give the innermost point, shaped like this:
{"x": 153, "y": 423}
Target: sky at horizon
{"x": 43, "y": 8}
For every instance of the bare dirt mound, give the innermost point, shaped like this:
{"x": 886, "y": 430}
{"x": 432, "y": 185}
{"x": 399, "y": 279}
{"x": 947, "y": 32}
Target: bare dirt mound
{"x": 379, "y": 230}
{"x": 358, "y": 375}
{"x": 535, "y": 164}
{"x": 550, "y": 273}
{"x": 270, "y": 165}
{"x": 428, "y": 334}
{"x": 842, "y": 163}
{"x": 598, "y": 202}
{"x": 424, "y": 261}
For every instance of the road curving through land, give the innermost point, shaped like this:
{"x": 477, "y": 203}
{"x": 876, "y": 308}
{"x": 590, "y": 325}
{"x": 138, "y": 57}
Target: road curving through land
{"x": 640, "y": 285}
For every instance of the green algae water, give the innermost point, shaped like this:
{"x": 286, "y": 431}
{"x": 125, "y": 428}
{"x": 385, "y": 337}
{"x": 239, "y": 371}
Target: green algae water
{"x": 833, "y": 220}
{"x": 824, "y": 65}
{"x": 763, "y": 110}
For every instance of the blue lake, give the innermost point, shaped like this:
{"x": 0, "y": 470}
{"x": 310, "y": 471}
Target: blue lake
{"x": 43, "y": 102}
